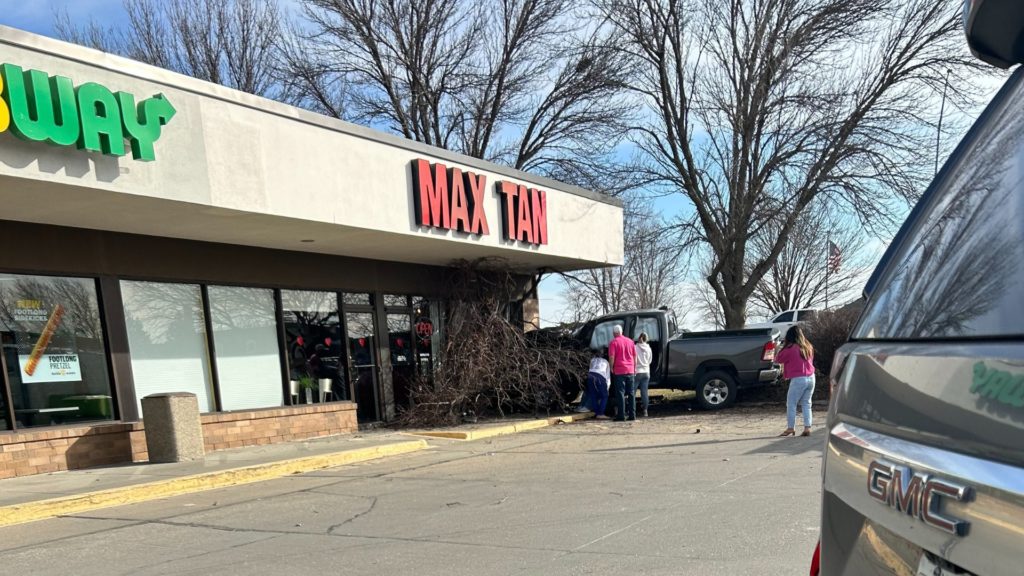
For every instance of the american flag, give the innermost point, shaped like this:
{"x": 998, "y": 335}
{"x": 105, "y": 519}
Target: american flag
{"x": 835, "y": 257}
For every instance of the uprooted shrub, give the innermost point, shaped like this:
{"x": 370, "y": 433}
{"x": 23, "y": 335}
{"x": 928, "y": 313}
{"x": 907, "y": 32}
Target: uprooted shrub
{"x": 489, "y": 364}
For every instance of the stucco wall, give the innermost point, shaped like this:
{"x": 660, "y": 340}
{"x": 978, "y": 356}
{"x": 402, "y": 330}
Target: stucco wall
{"x": 235, "y": 168}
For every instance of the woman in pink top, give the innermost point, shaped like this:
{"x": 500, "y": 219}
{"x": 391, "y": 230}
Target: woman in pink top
{"x": 797, "y": 359}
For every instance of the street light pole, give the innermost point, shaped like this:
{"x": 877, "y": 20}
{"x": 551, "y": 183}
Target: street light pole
{"x": 942, "y": 110}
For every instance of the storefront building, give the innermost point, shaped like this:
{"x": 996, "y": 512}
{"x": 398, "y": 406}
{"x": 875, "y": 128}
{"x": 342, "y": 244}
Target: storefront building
{"x": 163, "y": 234}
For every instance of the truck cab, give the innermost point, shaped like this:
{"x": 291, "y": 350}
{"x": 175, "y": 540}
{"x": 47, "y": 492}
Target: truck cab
{"x": 659, "y": 324}
{"x": 716, "y": 365}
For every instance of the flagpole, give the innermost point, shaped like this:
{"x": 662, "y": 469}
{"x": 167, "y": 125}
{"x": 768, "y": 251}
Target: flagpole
{"x": 942, "y": 110}
{"x": 828, "y": 267}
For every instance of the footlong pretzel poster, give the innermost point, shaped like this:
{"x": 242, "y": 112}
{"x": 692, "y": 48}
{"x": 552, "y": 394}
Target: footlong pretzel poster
{"x": 41, "y": 360}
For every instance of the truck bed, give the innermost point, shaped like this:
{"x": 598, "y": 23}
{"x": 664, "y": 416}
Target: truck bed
{"x": 724, "y": 334}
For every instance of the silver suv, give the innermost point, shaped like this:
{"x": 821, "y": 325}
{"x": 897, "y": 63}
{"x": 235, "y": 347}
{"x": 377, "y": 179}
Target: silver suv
{"x": 924, "y": 465}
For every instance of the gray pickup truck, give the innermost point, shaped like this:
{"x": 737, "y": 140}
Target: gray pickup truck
{"x": 717, "y": 365}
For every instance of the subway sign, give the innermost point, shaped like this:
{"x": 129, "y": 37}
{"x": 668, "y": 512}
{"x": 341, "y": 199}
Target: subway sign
{"x": 453, "y": 199}
{"x": 41, "y": 108}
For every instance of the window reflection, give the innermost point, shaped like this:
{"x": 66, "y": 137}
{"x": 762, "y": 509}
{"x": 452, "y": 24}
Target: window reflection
{"x": 425, "y": 331}
{"x": 167, "y": 340}
{"x": 54, "y": 350}
{"x": 403, "y": 367}
{"x": 396, "y": 301}
{"x": 961, "y": 275}
{"x": 313, "y": 340}
{"x": 362, "y": 350}
{"x": 357, "y": 298}
{"x": 603, "y": 333}
{"x": 248, "y": 360}
{"x": 649, "y": 326}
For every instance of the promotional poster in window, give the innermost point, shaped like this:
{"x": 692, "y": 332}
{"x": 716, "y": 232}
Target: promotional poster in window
{"x": 52, "y": 356}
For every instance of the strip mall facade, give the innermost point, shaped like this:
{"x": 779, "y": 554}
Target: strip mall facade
{"x": 163, "y": 234}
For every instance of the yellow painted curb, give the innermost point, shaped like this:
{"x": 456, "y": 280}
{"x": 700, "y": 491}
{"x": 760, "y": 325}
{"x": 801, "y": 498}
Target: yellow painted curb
{"x": 39, "y": 510}
{"x": 569, "y": 419}
{"x": 503, "y": 430}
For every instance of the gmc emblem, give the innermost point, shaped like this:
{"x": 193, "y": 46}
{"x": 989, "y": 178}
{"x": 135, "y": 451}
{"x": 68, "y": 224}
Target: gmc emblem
{"x": 917, "y": 495}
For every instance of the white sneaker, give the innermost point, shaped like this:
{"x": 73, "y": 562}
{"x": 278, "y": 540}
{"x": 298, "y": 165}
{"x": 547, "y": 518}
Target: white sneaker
{"x": 582, "y": 409}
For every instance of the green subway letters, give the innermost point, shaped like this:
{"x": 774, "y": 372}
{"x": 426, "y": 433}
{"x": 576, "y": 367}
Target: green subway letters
{"x": 42, "y": 108}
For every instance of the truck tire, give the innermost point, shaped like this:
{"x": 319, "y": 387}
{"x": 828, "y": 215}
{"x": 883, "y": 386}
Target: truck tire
{"x": 716, "y": 390}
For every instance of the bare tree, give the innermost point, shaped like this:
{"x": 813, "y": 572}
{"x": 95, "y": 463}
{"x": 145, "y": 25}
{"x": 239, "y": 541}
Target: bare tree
{"x": 519, "y": 82}
{"x": 489, "y": 363}
{"x": 760, "y": 106}
{"x": 594, "y": 292}
{"x": 229, "y": 42}
{"x": 651, "y": 274}
{"x": 798, "y": 278}
{"x": 703, "y": 297}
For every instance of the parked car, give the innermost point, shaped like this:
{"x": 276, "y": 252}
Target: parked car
{"x": 923, "y": 470}
{"x": 717, "y": 365}
{"x": 783, "y": 321}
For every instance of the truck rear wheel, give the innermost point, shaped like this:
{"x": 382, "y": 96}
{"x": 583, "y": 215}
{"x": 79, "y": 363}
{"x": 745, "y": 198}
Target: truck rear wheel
{"x": 716, "y": 390}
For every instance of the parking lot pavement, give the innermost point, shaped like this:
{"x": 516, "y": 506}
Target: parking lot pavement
{"x": 654, "y": 496}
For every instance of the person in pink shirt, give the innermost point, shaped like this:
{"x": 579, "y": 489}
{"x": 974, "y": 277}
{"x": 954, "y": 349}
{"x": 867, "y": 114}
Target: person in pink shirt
{"x": 622, "y": 357}
{"x": 797, "y": 359}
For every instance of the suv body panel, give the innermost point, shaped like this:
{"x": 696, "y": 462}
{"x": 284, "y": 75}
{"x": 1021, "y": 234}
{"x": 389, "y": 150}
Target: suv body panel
{"x": 933, "y": 378}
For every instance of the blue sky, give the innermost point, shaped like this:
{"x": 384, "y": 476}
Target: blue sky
{"x": 38, "y": 16}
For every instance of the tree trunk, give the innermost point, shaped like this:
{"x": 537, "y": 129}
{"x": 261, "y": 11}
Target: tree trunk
{"x": 735, "y": 315}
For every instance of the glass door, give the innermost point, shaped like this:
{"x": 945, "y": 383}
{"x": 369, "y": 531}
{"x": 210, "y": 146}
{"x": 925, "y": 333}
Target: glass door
{"x": 403, "y": 361}
{"x": 363, "y": 363}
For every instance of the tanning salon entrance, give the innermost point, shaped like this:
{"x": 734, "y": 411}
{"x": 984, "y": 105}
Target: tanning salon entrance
{"x": 389, "y": 342}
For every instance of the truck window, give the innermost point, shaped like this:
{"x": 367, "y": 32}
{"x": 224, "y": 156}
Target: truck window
{"x": 650, "y": 325}
{"x": 806, "y": 315}
{"x": 959, "y": 270}
{"x": 603, "y": 332}
{"x": 784, "y": 317}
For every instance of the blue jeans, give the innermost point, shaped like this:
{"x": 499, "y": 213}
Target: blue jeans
{"x": 624, "y": 391}
{"x": 800, "y": 391}
{"x": 643, "y": 380}
{"x": 597, "y": 393}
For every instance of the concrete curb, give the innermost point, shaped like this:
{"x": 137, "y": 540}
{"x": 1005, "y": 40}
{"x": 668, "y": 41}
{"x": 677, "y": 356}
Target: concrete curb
{"x": 504, "y": 429}
{"x": 41, "y": 509}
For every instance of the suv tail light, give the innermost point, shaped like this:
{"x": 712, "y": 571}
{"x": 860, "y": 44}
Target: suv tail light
{"x": 768, "y": 353}
{"x": 838, "y": 363}
{"x": 816, "y": 560}
{"x": 839, "y": 360}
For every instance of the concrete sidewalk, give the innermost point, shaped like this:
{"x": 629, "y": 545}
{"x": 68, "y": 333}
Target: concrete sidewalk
{"x": 30, "y": 498}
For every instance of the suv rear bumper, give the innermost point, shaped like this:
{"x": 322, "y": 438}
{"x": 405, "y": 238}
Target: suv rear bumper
{"x": 860, "y": 531}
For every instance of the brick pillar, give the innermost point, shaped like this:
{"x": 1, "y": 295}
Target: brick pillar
{"x": 531, "y": 314}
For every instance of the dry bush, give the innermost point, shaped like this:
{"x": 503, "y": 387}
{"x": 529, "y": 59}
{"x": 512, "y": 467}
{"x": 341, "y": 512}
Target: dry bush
{"x": 829, "y": 330}
{"x": 489, "y": 364}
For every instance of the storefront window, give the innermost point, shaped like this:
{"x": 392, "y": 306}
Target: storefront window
{"x": 313, "y": 338}
{"x": 5, "y": 423}
{"x": 167, "y": 340}
{"x": 54, "y": 350}
{"x": 396, "y": 301}
{"x": 245, "y": 339}
{"x": 357, "y": 299}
